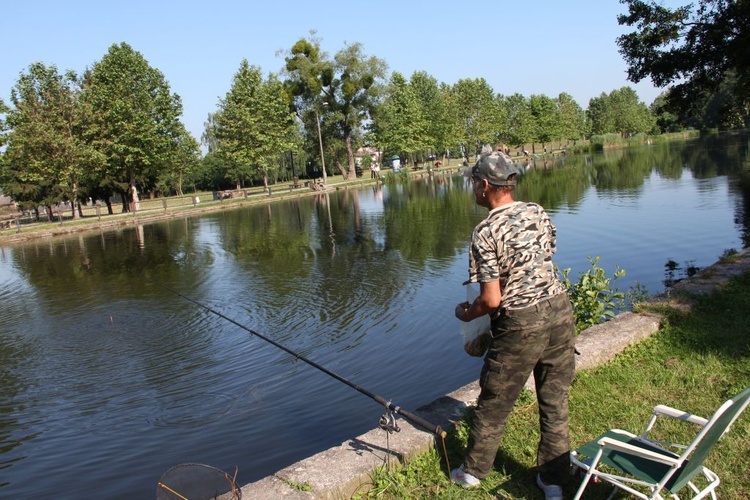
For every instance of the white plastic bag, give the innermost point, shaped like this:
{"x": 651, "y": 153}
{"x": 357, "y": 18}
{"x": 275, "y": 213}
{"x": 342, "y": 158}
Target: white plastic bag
{"x": 476, "y": 333}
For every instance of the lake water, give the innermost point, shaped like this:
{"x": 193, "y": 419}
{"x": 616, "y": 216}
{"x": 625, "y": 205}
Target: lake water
{"x": 109, "y": 379}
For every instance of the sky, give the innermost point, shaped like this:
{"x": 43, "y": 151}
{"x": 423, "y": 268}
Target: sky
{"x": 527, "y": 47}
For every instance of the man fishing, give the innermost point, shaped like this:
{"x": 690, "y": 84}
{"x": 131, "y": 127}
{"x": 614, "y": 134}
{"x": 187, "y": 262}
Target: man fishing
{"x": 532, "y": 325}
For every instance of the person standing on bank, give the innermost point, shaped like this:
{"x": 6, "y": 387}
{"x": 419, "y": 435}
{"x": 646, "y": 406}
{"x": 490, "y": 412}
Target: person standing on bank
{"x": 532, "y": 326}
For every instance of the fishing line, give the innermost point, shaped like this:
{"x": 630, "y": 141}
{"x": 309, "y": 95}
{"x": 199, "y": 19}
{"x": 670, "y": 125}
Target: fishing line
{"x": 387, "y": 422}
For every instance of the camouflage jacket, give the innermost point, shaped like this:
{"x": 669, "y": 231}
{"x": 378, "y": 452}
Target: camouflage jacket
{"x": 514, "y": 244}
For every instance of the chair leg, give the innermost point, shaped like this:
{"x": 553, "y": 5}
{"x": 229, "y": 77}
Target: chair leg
{"x": 582, "y": 488}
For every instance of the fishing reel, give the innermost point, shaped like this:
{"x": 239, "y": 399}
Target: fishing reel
{"x": 388, "y": 421}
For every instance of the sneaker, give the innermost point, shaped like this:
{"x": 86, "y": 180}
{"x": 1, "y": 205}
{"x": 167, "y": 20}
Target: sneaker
{"x": 464, "y": 479}
{"x": 551, "y": 491}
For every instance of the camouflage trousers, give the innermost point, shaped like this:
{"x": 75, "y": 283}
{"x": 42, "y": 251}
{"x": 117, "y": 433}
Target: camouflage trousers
{"x": 539, "y": 338}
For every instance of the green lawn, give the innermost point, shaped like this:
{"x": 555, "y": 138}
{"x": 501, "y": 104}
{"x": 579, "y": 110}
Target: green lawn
{"x": 697, "y": 361}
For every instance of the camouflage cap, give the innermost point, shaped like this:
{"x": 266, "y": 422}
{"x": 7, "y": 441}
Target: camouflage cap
{"x": 496, "y": 167}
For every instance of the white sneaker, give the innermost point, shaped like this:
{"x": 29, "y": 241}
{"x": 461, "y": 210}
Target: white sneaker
{"x": 551, "y": 491}
{"x": 464, "y": 479}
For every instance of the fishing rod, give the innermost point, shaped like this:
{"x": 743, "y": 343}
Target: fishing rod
{"x": 386, "y": 421}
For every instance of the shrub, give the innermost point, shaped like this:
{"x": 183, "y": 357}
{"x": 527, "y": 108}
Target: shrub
{"x": 593, "y": 296}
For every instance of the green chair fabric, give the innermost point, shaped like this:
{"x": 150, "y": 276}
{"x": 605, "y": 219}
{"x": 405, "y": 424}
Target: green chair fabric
{"x": 655, "y": 466}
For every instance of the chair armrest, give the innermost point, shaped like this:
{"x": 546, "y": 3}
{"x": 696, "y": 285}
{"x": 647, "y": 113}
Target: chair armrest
{"x": 667, "y": 411}
{"x": 613, "y": 444}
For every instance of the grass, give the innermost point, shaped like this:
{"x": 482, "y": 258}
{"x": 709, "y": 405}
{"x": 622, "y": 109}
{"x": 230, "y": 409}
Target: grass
{"x": 694, "y": 363}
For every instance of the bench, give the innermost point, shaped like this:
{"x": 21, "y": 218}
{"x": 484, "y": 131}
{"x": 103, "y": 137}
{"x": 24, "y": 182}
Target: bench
{"x": 7, "y": 223}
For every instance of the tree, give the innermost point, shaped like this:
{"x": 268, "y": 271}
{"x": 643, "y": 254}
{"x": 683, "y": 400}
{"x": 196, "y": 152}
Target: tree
{"x": 519, "y": 123}
{"x": 254, "y": 125}
{"x": 546, "y": 116}
{"x": 135, "y": 121}
{"x": 572, "y": 118}
{"x": 182, "y": 166}
{"x": 345, "y": 90}
{"x": 621, "y": 112}
{"x": 601, "y": 115}
{"x": 208, "y": 137}
{"x": 45, "y": 158}
{"x": 399, "y": 124}
{"x": 666, "y": 121}
{"x": 694, "y": 48}
{"x": 478, "y": 113}
{"x": 4, "y": 109}
{"x": 434, "y": 101}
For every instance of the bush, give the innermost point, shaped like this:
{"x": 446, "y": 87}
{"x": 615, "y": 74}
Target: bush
{"x": 593, "y": 296}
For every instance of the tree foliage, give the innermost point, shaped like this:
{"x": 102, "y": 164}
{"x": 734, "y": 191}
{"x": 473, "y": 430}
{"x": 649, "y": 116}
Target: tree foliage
{"x": 546, "y": 115}
{"x": 518, "y": 128}
{"x": 183, "y": 166}
{"x": 437, "y": 112}
{"x": 620, "y": 112}
{"x": 400, "y": 123}
{"x": 572, "y": 118}
{"x": 344, "y": 90}
{"x": 254, "y": 125}
{"x": 696, "y": 49}
{"x": 134, "y": 122}
{"x": 4, "y": 109}
{"x": 45, "y": 162}
{"x": 478, "y": 113}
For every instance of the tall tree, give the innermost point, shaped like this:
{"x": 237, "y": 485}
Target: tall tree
{"x": 345, "y": 89}
{"x": 620, "y": 112}
{"x": 400, "y": 126}
{"x": 631, "y": 115}
{"x": 600, "y": 115}
{"x": 4, "y": 109}
{"x": 254, "y": 125}
{"x": 693, "y": 48}
{"x": 208, "y": 137}
{"x": 45, "y": 158}
{"x": 546, "y": 118}
{"x": 518, "y": 128}
{"x": 571, "y": 118}
{"x": 135, "y": 121}
{"x": 478, "y": 113}
{"x": 439, "y": 126}
{"x": 448, "y": 127}
{"x": 665, "y": 120}
{"x": 182, "y": 166}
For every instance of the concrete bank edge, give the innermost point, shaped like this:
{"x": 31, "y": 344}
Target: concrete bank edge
{"x": 342, "y": 471}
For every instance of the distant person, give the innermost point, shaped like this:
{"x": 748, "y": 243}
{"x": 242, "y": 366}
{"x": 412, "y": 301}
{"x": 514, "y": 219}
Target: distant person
{"x": 532, "y": 326}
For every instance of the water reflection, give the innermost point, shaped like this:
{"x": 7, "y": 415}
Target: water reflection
{"x": 102, "y": 365}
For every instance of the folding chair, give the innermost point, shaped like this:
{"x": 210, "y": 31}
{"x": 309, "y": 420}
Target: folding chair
{"x": 657, "y": 466}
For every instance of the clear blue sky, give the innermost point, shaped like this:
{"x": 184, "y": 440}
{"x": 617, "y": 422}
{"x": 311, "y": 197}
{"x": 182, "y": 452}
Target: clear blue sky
{"x": 529, "y": 47}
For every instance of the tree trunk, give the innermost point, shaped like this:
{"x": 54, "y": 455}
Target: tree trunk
{"x": 352, "y": 174}
{"x": 344, "y": 172}
{"x": 73, "y": 201}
